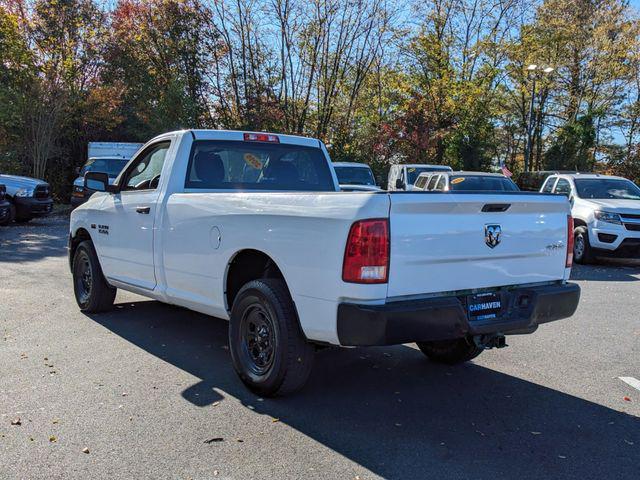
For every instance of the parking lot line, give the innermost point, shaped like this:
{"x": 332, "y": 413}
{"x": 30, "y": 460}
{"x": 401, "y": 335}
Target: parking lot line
{"x": 634, "y": 382}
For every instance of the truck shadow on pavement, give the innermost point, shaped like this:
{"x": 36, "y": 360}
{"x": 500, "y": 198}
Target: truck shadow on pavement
{"x": 400, "y": 416}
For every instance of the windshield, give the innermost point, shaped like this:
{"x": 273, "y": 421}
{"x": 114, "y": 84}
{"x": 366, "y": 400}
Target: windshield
{"x": 607, "y": 188}
{"x": 355, "y": 176}
{"x": 482, "y": 183}
{"x": 110, "y": 166}
{"x": 413, "y": 172}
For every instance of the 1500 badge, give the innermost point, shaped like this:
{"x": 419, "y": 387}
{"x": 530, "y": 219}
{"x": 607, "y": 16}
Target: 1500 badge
{"x": 104, "y": 229}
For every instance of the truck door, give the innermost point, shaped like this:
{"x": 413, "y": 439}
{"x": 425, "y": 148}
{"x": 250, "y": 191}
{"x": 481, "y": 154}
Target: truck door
{"x": 125, "y": 240}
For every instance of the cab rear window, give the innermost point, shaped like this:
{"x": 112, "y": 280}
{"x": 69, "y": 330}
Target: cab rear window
{"x": 232, "y": 165}
{"x": 482, "y": 183}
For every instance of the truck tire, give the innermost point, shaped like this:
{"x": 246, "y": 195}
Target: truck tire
{"x": 450, "y": 352}
{"x": 582, "y": 251}
{"x": 11, "y": 217}
{"x": 269, "y": 351}
{"x": 93, "y": 293}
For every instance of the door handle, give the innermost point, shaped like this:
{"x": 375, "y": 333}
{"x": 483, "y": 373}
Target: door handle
{"x": 143, "y": 210}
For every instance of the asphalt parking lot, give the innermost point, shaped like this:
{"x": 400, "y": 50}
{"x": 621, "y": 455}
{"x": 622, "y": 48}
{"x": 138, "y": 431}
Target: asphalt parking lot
{"x": 148, "y": 391}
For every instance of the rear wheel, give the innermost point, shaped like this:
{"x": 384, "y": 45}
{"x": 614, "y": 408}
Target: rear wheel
{"x": 268, "y": 349}
{"x": 450, "y": 352}
{"x": 93, "y": 293}
{"x": 582, "y": 251}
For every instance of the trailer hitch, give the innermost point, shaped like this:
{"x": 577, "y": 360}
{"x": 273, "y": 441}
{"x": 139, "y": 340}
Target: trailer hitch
{"x": 487, "y": 342}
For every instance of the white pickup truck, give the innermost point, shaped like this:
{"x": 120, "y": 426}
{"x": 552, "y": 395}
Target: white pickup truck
{"x": 252, "y": 227}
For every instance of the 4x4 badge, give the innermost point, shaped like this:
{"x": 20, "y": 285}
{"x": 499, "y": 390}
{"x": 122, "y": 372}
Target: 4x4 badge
{"x": 492, "y": 234}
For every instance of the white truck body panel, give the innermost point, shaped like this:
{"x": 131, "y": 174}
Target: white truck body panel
{"x": 181, "y": 251}
{"x": 438, "y": 242}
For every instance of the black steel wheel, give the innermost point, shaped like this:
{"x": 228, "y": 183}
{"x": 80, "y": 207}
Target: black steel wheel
{"x": 259, "y": 339}
{"x": 269, "y": 351}
{"x": 92, "y": 292}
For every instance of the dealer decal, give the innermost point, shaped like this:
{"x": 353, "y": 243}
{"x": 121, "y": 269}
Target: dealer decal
{"x": 253, "y": 161}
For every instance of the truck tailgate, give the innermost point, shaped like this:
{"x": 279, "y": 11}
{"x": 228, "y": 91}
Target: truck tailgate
{"x": 441, "y": 242}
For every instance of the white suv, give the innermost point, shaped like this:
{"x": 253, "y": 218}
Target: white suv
{"x": 606, "y": 212}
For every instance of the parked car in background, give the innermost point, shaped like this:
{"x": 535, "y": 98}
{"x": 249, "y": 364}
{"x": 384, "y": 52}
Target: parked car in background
{"x": 532, "y": 181}
{"x": 252, "y": 227}
{"x": 403, "y": 177}
{"x": 5, "y": 206}
{"x": 28, "y": 197}
{"x": 107, "y": 157}
{"x": 354, "y": 176}
{"x": 606, "y": 213}
{"x": 111, "y": 166}
{"x": 465, "y": 181}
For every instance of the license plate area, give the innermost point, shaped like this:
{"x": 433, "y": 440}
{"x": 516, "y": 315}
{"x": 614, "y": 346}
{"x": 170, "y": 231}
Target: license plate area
{"x": 484, "y": 306}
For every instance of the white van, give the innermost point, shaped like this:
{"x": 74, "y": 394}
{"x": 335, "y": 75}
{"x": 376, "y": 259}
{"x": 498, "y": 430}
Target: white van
{"x": 402, "y": 177}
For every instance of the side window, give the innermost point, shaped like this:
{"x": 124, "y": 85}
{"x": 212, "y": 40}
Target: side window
{"x": 548, "y": 185}
{"x": 563, "y": 187}
{"x": 144, "y": 173}
{"x": 441, "y": 183}
{"x": 421, "y": 181}
{"x": 432, "y": 182}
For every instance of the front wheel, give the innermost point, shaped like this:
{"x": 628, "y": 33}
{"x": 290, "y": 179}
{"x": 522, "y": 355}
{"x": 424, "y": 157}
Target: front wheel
{"x": 268, "y": 349}
{"x": 582, "y": 251}
{"x": 450, "y": 352}
{"x": 93, "y": 293}
{"x": 11, "y": 216}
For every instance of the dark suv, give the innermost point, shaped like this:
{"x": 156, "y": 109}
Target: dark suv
{"x": 28, "y": 197}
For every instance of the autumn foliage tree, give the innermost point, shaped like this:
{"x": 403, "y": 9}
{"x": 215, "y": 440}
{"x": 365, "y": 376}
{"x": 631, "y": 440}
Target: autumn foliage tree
{"x": 379, "y": 81}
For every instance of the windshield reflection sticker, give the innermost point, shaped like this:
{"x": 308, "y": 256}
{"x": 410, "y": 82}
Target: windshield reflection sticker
{"x": 253, "y": 161}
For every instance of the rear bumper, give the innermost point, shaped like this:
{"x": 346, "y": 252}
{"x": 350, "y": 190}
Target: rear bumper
{"x": 33, "y": 207}
{"x": 445, "y": 318}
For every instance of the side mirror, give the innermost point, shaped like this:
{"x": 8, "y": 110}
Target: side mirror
{"x": 78, "y": 169}
{"x": 399, "y": 184}
{"x": 97, "y": 181}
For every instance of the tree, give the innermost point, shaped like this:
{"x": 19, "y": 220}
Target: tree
{"x": 17, "y": 72}
{"x": 154, "y": 60}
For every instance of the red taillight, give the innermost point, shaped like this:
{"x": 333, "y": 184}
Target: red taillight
{"x": 261, "y": 137}
{"x": 366, "y": 256}
{"x": 569, "y": 261}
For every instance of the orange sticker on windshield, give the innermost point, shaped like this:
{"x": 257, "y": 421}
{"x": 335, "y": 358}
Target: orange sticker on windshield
{"x": 457, "y": 180}
{"x": 253, "y": 161}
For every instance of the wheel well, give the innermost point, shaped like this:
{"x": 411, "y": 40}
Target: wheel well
{"x": 579, "y": 223}
{"x": 245, "y": 266}
{"x": 80, "y": 236}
